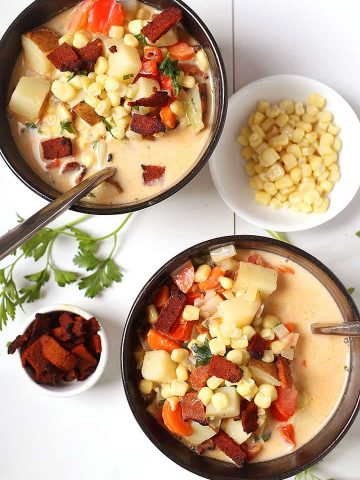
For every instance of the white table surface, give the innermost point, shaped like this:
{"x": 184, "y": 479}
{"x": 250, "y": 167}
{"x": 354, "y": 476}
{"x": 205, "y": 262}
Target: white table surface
{"x": 94, "y": 435}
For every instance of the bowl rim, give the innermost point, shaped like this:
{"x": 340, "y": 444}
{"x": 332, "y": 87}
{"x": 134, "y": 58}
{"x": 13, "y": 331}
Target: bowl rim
{"x": 248, "y": 217}
{"x": 89, "y": 382}
{"x": 214, "y": 135}
{"x": 188, "y": 253}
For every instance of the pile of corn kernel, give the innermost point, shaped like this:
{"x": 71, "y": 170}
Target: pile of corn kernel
{"x": 291, "y": 152}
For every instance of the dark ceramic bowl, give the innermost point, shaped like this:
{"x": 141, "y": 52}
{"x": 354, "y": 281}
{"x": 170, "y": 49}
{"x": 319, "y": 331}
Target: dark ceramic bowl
{"x": 276, "y": 469}
{"x": 41, "y": 11}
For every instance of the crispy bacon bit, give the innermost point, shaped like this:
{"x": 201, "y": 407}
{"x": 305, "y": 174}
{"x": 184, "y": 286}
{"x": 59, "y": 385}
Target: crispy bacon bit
{"x": 115, "y": 184}
{"x": 62, "y": 334}
{"x": 19, "y": 341}
{"x": 257, "y": 347}
{"x": 223, "y": 368}
{"x": 57, "y": 148}
{"x": 66, "y": 320}
{"x": 284, "y": 372}
{"x": 158, "y": 99}
{"x": 162, "y": 23}
{"x": 171, "y": 312}
{"x": 199, "y": 376}
{"x": 56, "y": 354}
{"x": 65, "y": 58}
{"x": 71, "y": 167}
{"x": 90, "y": 53}
{"x": 95, "y": 343}
{"x": 193, "y": 70}
{"x": 249, "y": 418}
{"x": 204, "y": 446}
{"x": 227, "y": 445}
{"x": 113, "y": 49}
{"x": 152, "y": 173}
{"x": 146, "y": 124}
{"x": 251, "y": 451}
{"x": 193, "y": 408}
{"x": 44, "y": 371}
{"x": 87, "y": 113}
{"x": 92, "y": 326}
{"x": 86, "y": 362}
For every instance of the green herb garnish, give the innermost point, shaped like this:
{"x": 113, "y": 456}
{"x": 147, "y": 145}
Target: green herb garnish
{"x": 351, "y": 290}
{"x": 358, "y": 233}
{"x": 170, "y": 68}
{"x": 33, "y": 126}
{"x": 278, "y": 236}
{"x": 71, "y": 77}
{"x": 308, "y": 474}
{"x": 266, "y": 436}
{"x": 66, "y": 126}
{"x": 108, "y": 126}
{"x": 141, "y": 39}
{"x": 104, "y": 271}
{"x": 129, "y": 75}
{"x": 202, "y": 353}
{"x": 137, "y": 108}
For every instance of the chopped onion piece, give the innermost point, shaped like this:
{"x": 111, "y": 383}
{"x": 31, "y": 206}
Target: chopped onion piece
{"x": 210, "y": 307}
{"x": 291, "y": 340}
{"x": 208, "y": 295}
{"x": 281, "y": 331}
{"x": 223, "y": 253}
{"x": 288, "y": 353}
{"x": 199, "y": 302}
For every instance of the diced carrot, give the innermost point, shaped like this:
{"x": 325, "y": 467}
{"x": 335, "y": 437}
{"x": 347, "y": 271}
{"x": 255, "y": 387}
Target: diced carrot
{"x": 251, "y": 451}
{"x": 173, "y": 420}
{"x": 149, "y": 67}
{"x": 153, "y": 53}
{"x": 158, "y": 341}
{"x": 286, "y": 401}
{"x": 291, "y": 327}
{"x": 103, "y": 15}
{"x": 162, "y": 297}
{"x": 182, "y": 331}
{"x": 182, "y": 51}
{"x": 168, "y": 117}
{"x": 79, "y": 18}
{"x": 288, "y": 433}
{"x": 213, "y": 281}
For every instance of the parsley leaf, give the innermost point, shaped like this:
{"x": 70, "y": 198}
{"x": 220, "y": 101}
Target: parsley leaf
{"x": 37, "y": 245}
{"x": 170, "y": 68}
{"x": 103, "y": 277}
{"x": 86, "y": 259}
{"x": 63, "y": 277}
{"x": 351, "y": 290}
{"x": 108, "y": 126}
{"x": 202, "y": 353}
{"x": 66, "y": 126}
{"x": 129, "y": 75}
{"x": 33, "y": 292}
{"x": 141, "y": 39}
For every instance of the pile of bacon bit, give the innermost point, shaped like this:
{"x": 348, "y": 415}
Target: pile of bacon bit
{"x": 59, "y": 346}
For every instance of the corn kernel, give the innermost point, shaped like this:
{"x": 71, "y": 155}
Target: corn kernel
{"x": 289, "y": 161}
{"x": 322, "y": 207}
{"x": 81, "y": 39}
{"x": 284, "y": 182}
{"x": 298, "y": 135}
{"x": 325, "y": 117}
{"x": 269, "y": 157}
{"x": 135, "y": 26}
{"x": 299, "y": 108}
{"x": 94, "y": 89}
{"x": 214, "y": 382}
{"x": 279, "y": 141}
{"x": 334, "y": 176}
{"x": 118, "y": 132}
{"x": 179, "y": 355}
{"x": 305, "y": 208}
{"x": 295, "y": 175}
{"x": 101, "y": 65}
{"x": 166, "y": 391}
{"x": 116, "y": 32}
{"x": 228, "y": 294}
{"x": 245, "y": 387}
{"x": 131, "y": 91}
{"x": 262, "y": 106}
{"x": 202, "y": 60}
{"x": 63, "y": 91}
{"x": 316, "y": 99}
{"x": 241, "y": 139}
{"x": 178, "y": 388}
{"x": 182, "y": 373}
{"x": 326, "y": 186}
{"x": 333, "y": 129}
{"x": 217, "y": 347}
{"x": 250, "y": 170}
{"x": 220, "y": 401}
{"x": 267, "y": 333}
{"x": 239, "y": 343}
{"x": 287, "y": 106}
{"x": 272, "y": 111}
{"x": 262, "y": 198}
{"x": 177, "y": 107}
{"x": 63, "y": 113}
{"x": 191, "y": 313}
{"x": 248, "y": 331}
{"x": 294, "y": 149}
{"x": 258, "y": 118}
{"x": 188, "y": 81}
{"x": 145, "y": 386}
{"x": 268, "y": 356}
{"x": 202, "y": 273}
{"x": 275, "y": 172}
{"x": 262, "y": 401}
{"x": 226, "y": 282}
{"x": 337, "y": 144}
{"x": 270, "y": 188}
{"x": 235, "y": 356}
{"x": 270, "y": 321}
{"x": 130, "y": 40}
{"x": 247, "y": 152}
{"x": 67, "y": 38}
{"x": 114, "y": 98}
{"x": 275, "y": 203}
{"x": 205, "y": 394}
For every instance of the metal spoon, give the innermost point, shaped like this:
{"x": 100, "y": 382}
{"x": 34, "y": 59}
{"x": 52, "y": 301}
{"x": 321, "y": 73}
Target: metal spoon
{"x": 347, "y": 329}
{"x": 18, "y": 235}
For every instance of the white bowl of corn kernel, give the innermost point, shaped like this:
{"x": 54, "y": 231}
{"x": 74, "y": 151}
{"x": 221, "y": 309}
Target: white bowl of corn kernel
{"x": 287, "y": 159}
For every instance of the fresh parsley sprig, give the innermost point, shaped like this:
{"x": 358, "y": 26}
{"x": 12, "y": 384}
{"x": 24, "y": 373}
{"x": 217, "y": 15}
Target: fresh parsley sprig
{"x": 104, "y": 272}
{"x": 202, "y": 353}
{"x": 65, "y": 125}
{"x": 142, "y": 40}
{"x": 170, "y": 68}
{"x": 309, "y": 474}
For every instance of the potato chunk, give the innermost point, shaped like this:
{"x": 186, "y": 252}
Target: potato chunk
{"x": 29, "y": 98}
{"x": 125, "y": 64}
{"x": 200, "y": 433}
{"x": 251, "y": 275}
{"x": 239, "y": 310}
{"x": 158, "y": 367}
{"x": 234, "y": 428}
{"x": 233, "y": 408}
{"x": 37, "y": 44}
{"x": 145, "y": 87}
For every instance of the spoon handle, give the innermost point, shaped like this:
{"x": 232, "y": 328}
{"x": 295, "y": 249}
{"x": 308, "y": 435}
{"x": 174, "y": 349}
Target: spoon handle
{"x": 18, "y": 235}
{"x": 348, "y": 329}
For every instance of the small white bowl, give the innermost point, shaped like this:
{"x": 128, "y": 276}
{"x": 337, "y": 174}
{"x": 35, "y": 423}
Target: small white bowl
{"x": 75, "y": 387}
{"x": 227, "y": 165}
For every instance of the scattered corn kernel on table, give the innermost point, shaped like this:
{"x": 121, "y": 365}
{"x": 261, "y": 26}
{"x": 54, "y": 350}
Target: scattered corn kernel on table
{"x": 94, "y": 435}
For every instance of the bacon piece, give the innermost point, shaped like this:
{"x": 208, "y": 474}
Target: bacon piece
{"x": 42, "y": 323}
{"x": 19, "y": 342}
{"x": 152, "y": 173}
{"x": 56, "y": 354}
{"x": 79, "y": 326}
{"x": 44, "y": 371}
{"x": 172, "y": 311}
{"x": 90, "y": 53}
{"x": 65, "y": 59}
{"x": 223, "y": 368}
{"x": 57, "y": 148}
{"x": 92, "y": 326}
{"x": 87, "y": 113}
{"x": 62, "y": 334}
{"x": 199, "y": 376}
{"x": 257, "y": 347}
{"x": 284, "y": 372}
{"x": 249, "y": 418}
{"x": 71, "y": 167}
{"x": 86, "y": 362}
{"x": 232, "y": 449}
{"x": 251, "y": 451}
{"x": 66, "y": 320}
{"x": 193, "y": 408}
{"x": 162, "y": 23}
{"x": 113, "y": 49}
{"x": 204, "y": 446}
{"x": 158, "y": 99}
{"x": 95, "y": 343}
{"x": 81, "y": 175}
{"x": 147, "y": 124}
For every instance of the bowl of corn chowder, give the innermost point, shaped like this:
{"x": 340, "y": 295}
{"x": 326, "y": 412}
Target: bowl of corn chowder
{"x": 220, "y": 367}
{"x": 99, "y": 83}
